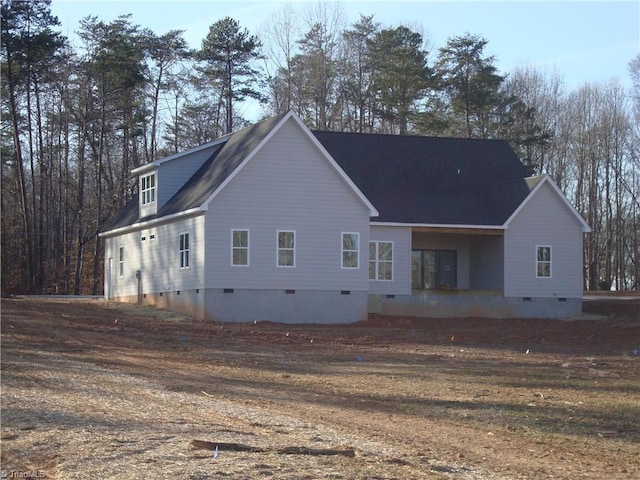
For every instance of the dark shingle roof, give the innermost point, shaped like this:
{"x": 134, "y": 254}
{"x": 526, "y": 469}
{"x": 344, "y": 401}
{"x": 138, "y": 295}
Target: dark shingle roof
{"x": 213, "y": 172}
{"x": 127, "y": 216}
{"x": 429, "y": 180}
{"x": 130, "y": 214}
{"x": 218, "y": 168}
{"x": 408, "y": 179}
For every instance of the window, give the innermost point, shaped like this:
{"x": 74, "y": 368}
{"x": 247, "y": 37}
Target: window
{"x": 286, "y": 248}
{"x": 184, "y": 250}
{"x": 240, "y": 247}
{"x": 381, "y": 261}
{"x": 350, "y": 250}
{"x": 148, "y": 189}
{"x": 543, "y": 261}
{"x": 433, "y": 269}
{"x": 121, "y": 261}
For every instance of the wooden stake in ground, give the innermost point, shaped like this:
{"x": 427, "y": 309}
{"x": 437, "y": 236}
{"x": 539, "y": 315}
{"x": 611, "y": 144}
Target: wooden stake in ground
{"x": 239, "y": 447}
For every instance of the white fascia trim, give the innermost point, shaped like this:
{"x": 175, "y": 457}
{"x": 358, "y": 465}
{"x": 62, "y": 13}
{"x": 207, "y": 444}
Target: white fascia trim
{"x": 547, "y": 179}
{"x": 148, "y": 223}
{"x": 158, "y": 162}
{"x": 373, "y": 212}
{"x": 145, "y": 168}
{"x": 437, "y": 225}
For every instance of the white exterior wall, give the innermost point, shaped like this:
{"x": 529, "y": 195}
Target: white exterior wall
{"x": 288, "y": 185}
{"x": 157, "y": 260}
{"x": 545, "y": 220}
{"x": 401, "y": 276}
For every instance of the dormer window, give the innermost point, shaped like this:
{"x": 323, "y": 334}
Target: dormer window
{"x": 148, "y": 194}
{"x": 148, "y": 189}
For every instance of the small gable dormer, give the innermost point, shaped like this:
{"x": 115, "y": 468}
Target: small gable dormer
{"x": 160, "y": 180}
{"x": 148, "y": 188}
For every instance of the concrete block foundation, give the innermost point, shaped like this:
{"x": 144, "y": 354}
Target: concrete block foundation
{"x": 469, "y": 304}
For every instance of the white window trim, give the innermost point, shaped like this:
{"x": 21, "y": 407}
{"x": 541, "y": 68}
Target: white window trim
{"x": 144, "y": 191}
{"x": 538, "y": 262}
{"x": 121, "y": 261}
{"x": 295, "y": 243}
{"x": 377, "y": 261}
{"x": 180, "y": 250}
{"x": 241, "y": 248}
{"x": 342, "y": 251}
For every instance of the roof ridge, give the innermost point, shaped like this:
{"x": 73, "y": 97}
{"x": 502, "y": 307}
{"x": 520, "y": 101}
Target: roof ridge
{"x": 433, "y": 137}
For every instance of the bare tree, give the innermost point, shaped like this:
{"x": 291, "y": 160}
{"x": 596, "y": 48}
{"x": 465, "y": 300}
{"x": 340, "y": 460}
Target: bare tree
{"x": 279, "y": 39}
{"x": 165, "y": 53}
{"x": 541, "y": 94}
{"x": 358, "y": 74}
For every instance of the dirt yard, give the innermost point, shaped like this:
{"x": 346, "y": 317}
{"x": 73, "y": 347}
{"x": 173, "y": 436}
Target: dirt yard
{"x": 96, "y": 390}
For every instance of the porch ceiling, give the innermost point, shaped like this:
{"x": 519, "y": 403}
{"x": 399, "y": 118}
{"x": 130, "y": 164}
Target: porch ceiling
{"x": 459, "y": 230}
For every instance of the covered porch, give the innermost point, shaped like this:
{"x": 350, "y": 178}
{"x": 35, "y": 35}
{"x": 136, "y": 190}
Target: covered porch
{"x": 447, "y": 260}
{"x": 459, "y": 273}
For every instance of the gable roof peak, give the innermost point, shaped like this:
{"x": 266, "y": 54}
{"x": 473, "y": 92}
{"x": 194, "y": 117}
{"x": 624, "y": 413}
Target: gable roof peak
{"x": 535, "y": 183}
{"x": 244, "y": 145}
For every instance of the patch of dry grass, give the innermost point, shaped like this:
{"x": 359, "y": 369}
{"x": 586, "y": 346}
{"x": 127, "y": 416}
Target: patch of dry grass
{"x": 84, "y": 396}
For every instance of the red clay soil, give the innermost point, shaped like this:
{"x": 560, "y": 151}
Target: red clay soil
{"x": 103, "y": 390}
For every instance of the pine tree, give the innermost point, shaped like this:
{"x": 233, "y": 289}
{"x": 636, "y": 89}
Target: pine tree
{"x": 471, "y": 81}
{"x": 401, "y": 76}
{"x": 229, "y": 52}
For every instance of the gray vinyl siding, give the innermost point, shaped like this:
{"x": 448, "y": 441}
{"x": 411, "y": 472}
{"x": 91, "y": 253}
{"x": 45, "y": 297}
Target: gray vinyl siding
{"x": 288, "y": 185}
{"x": 486, "y": 271}
{"x": 544, "y": 220}
{"x": 401, "y": 277}
{"x": 172, "y": 175}
{"x": 157, "y": 260}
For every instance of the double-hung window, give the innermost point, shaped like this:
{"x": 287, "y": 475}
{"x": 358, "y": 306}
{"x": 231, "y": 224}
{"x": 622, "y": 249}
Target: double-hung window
{"x": 543, "y": 261}
{"x": 148, "y": 189}
{"x": 286, "y": 248}
{"x": 381, "y": 261}
{"x": 185, "y": 249}
{"x": 350, "y": 250}
{"x": 240, "y": 248}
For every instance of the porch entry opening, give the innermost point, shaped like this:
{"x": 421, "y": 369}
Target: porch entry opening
{"x": 432, "y": 269}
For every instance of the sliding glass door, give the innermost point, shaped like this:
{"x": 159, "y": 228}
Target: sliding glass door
{"x": 433, "y": 269}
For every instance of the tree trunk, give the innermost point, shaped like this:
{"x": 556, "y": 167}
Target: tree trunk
{"x": 229, "y": 96}
{"x": 23, "y": 202}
